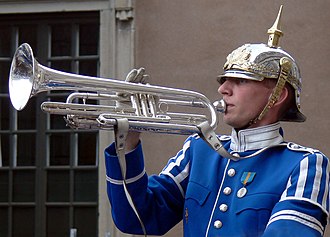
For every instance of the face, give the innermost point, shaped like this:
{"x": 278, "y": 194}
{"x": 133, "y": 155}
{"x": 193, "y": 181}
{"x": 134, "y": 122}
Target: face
{"x": 245, "y": 100}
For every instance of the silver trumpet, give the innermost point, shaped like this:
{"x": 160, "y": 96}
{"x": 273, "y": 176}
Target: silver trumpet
{"x": 148, "y": 109}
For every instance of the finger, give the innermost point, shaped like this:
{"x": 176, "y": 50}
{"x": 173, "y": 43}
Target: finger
{"x": 139, "y": 75}
{"x": 145, "y": 79}
{"x": 131, "y": 75}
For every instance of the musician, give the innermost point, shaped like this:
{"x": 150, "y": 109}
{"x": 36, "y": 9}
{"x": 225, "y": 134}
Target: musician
{"x": 274, "y": 188}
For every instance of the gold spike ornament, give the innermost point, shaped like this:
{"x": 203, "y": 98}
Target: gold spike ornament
{"x": 274, "y": 32}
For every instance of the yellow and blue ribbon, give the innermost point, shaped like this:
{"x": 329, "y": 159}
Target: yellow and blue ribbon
{"x": 247, "y": 177}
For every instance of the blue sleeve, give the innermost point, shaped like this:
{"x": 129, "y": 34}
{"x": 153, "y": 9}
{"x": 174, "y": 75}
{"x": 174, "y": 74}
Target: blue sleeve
{"x": 157, "y": 198}
{"x": 304, "y": 206}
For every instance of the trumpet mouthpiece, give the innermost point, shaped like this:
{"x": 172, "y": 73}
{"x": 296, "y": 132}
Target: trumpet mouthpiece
{"x": 220, "y": 106}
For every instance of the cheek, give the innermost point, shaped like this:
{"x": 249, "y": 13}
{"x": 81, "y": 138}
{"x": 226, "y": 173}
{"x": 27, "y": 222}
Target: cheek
{"x": 255, "y": 102}
{"x": 262, "y": 92}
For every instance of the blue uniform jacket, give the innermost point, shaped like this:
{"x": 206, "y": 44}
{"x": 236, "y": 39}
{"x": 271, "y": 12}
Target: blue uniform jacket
{"x": 281, "y": 191}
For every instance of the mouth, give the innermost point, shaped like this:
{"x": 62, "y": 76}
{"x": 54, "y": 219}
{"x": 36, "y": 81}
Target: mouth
{"x": 229, "y": 106}
{"x": 224, "y": 99}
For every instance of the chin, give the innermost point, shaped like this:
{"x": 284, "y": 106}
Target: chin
{"x": 234, "y": 124}
{"x": 230, "y": 123}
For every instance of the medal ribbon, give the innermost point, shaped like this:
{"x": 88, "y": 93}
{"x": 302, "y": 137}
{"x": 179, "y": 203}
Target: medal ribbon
{"x": 247, "y": 177}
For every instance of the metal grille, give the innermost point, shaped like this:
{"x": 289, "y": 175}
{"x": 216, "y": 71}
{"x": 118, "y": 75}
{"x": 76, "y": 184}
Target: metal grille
{"x": 48, "y": 172}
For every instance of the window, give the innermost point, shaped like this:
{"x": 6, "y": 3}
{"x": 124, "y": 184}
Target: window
{"x": 48, "y": 172}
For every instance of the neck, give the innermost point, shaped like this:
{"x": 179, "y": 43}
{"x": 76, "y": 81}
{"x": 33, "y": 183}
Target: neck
{"x": 255, "y": 124}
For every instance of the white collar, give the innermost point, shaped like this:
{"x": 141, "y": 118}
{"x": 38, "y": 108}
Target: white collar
{"x": 256, "y": 138}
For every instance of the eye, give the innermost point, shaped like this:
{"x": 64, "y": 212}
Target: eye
{"x": 242, "y": 81}
{"x": 222, "y": 80}
{"x": 237, "y": 81}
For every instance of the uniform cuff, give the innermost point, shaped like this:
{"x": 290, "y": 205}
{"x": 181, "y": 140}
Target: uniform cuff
{"x": 134, "y": 164}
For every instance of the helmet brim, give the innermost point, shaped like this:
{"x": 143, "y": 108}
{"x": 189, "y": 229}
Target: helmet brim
{"x": 240, "y": 75}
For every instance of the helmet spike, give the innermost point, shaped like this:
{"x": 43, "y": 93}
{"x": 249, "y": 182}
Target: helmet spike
{"x": 274, "y": 32}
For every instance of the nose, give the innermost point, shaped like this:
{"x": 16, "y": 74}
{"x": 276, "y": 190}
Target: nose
{"x": 224, "y": 88}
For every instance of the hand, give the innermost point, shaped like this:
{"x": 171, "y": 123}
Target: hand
{"x": 132, "y": 140}
{"x": 137, "y": 76}
{"x": 134, "y": 76}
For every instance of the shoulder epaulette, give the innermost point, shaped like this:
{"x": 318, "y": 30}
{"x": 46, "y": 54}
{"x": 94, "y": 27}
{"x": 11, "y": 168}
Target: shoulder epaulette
{"x": 296, "y": 147}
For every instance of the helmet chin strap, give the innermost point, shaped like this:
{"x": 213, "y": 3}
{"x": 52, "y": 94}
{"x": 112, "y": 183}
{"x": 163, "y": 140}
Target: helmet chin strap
{"x": 285, "y": 64}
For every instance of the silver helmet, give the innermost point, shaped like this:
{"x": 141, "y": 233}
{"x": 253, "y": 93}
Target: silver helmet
{"x": 259, "y": 61}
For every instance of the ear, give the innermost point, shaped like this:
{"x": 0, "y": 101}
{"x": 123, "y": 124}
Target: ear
{"x": 284, "y": 97}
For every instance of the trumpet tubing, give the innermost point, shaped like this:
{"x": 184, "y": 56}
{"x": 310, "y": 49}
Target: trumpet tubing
{"x": 145, "y": 106}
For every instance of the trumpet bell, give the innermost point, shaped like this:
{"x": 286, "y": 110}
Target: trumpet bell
{"x": 21, "y": 76}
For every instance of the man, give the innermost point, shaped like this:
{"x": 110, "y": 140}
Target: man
{"x": 273, "y": 188}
